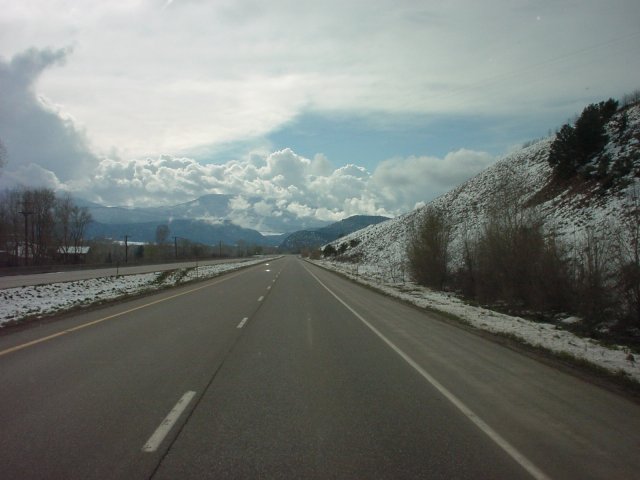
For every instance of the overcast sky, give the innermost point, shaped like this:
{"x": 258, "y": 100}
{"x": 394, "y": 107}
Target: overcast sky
{"x": 324, "y": 108}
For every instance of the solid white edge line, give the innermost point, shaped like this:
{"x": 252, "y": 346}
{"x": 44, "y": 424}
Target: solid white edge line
{"x": 523, "y": 461}
{"x": 242, "y": 322}
{"x": 165, "y": 427}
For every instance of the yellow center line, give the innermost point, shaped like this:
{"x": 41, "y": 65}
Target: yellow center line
{"x": 109, "y": 317}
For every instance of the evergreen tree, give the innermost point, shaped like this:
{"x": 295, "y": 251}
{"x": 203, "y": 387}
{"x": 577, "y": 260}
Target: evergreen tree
{"x": 575, "y": 147}
{"x": 590, "y": 134}
{"x": 564, "y": 152}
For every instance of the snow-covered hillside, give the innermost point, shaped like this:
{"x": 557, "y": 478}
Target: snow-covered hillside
{"x": 518, "y": 177}
{"x": 376, "y": 255}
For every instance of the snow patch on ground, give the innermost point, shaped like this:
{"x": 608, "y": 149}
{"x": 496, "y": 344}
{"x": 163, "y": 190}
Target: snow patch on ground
{"x": 613, "y": 359}
{"x": 379, "y": 252}
{"x": 40, "y": 300}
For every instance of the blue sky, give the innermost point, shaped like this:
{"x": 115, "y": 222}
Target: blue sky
{"x": 366, "y": 141}
{"x": 309, "y": 105}
{"x": 357, "y": 140}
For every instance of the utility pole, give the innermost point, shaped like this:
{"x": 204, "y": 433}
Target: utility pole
{"x": 175, "y": 246}
{"x": 220, "y": 249}
{"x": 25, "y": 212}
{"x": 126, "y": 249}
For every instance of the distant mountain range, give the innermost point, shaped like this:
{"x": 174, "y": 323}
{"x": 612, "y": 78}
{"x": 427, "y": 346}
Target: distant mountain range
{"x": 194, "y": 230}
{"x": 310, "y": 239}
{"x": 210, "y": 220}
{"x": 214, "y": 209}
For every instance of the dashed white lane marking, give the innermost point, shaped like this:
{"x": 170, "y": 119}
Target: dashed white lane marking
{"x": 165, "y": 427}
{"x": 260, "y": 299}
{"x": 269, "y": 287}
{"x": 242, "y": 322}
{"x": 513, "y": 452}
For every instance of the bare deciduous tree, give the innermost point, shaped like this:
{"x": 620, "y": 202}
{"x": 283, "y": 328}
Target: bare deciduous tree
{"x": 428, "y": 249}
{"x": 41, "y": 203}
{"x": 64, "y": 206}
{"x": 162, "y": 234}
{"x": 35, "y": 225}
{"x": 80, "y": 219}
{"x": 629, "y": 260}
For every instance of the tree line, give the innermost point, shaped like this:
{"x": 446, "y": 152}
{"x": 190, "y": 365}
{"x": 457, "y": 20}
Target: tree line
{"x": 578, "y": 150}
{"x": 516, "y": 264}
{"x": 168, "y": 247}
{"x": 39, "y": 227}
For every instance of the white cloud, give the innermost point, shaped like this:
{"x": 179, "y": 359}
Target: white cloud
{"x": 239, "y": 203}
{"x": 32, "y": 175}
{"x": 404, "y": 182}
{"x": 151, "y": 77}
{"x": 34, "y": 131}
{"x": 284, "y": 182}
{"x": 321, "y": 165}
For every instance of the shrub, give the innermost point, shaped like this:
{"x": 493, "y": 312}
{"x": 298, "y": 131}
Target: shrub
{"x": 595, "y": 296}
{"x": 628, "y": 274}
{"x": 428, "y": 249}
{"x": 329, "y": 251}
{"x": 513, "y": 260}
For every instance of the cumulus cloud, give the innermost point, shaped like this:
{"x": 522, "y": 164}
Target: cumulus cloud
{"x": 33, "y": 175}
{"x": 407, "y": 181}
{"x": 34, "y": 131}
{"x": 285, "y": 183}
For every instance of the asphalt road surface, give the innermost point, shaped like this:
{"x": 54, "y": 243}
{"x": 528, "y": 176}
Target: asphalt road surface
{"x": 288, "y": 371}
{"x": 11, "y": 281}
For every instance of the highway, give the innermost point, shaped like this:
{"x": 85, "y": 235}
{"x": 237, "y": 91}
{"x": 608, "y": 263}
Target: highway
{"x": 288, "y": 371}
{"x": 12, "y": 281}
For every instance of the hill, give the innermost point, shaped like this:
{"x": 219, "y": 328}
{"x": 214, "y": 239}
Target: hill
{"x": 560, "y": 249}
{"x": 588, "y": 308}
{"x": 568, "y": 208}
{"x": 311, "y": 239}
